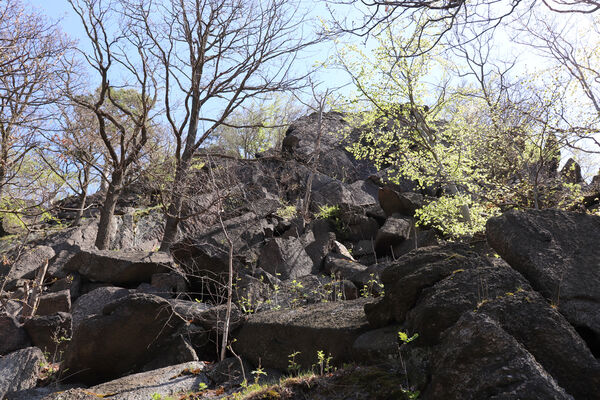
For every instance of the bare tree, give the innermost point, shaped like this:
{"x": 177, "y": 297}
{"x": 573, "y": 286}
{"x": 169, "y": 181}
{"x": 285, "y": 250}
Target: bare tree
{"x": 576, "y": 69}
{"x": 215, "y": 55}
{"x": 74, "y": 154}
{"x": 444, "y": 15}
{"x": 31, "y": 54}
{"x": 123, "y": 111}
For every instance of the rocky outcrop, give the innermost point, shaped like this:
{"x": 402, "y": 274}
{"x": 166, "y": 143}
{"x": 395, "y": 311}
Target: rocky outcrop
{"x": 119, "y": 267}
{"x": 496, "y": 364}
{"x": 558, "y": 253}
{"x": 270, "y": 337}
{"x": 461, "y": 302}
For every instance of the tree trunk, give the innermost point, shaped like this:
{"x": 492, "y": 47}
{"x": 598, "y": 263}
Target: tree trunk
{"x": 83, "y": 196}
{"x": 174, "y": 210}
{"x": 108, "y": 211}
{"x": 171, "y": 225}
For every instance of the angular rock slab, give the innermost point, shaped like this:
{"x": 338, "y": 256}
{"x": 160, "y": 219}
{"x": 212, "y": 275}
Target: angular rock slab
{"x": 559, "y": 254}
{"x": 163, "y": 382}
{"x": 12, "y": 335}
{"x": 394, "y": 232}
{"x": 271, "y": 336}
{"x": 27, "y": 265}
{"x": 19, "y": 370}
{"x": 285, "y": 258}
{"x": 120, "y": 340}
{"x": 119, "y": 267}
{"x": 92, "y": 303}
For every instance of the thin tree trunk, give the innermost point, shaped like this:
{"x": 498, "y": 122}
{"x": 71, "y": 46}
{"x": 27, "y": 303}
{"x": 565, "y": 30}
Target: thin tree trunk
{"x": 316, "y": 156}
{"x": 229, "y": 292}
{"x": 108, "y": 211}
{"x": 171, "y": 224}
{"x": 83, "y": 196}
{"x": 174, "y": 211}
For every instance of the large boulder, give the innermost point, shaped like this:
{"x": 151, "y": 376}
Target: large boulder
{"x": 26, "y": 266}
{"x": 558, "y": 253}
{"x": 285, "y": 258}
{"x": 51, "y": 303}
{"x": 93, "y": 303}
{"x": 207, "y": 252}
{"x": 394, "y": 232}
{"x": 50, "y": 333}
{"x": 335, "y": 160}
{"x": 211, "y": 318}
{"x": 548, "y": 337}
{"x": 119, "y": 267}
{"x": 393, "y": 202}
{"x": 19, "y": 370}
{"x": 122, "y": 339}
{"x": 12, "y": 335}
{"x": 479, "y": 360}
{"x": 431, "y": 291}
{"x": 156, "y": 384}
{"x": 270, "y": 337}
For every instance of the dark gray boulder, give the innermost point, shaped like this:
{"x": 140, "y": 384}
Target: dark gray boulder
{"x": 50, "y": 333}
{"x": 27, "y": 265}
{"x": 393, "y": 202}
{"x": 285, "y": 258}
{"x": 558, "y": 253}
{"x": 160, "y": 383}
{"x": 93, "y": 303}
{"x": 119, "y": 267}
{"x": 19, "y": 370}
{"x": 207, "y": 251}
{"x": 395, "y": 231}
{"x": 270, "y": 337}
{"x": 12, "y": 335}
{"x": 479, "y": 360}
{"x": 120, "y": 340}
{"x": 52, "y": 303}
{"x": 548, "y": 337}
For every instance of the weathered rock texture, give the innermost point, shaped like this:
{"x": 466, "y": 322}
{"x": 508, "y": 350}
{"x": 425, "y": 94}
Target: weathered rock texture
{"x": 270, "y": 337}
{"x": 559, "y": 254}
{"x": 120, "y": 340}
{"x": 119, "y": 267}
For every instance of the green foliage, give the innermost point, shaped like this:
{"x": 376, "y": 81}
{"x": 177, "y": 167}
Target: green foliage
{"x": 258, "y": 372}
{"x": 444, "y": 215}
{"x": 403, "y": 337}
{"x": 324, "y": 363}
{"x": 328, "y": 212}
{"x": 287, "y": 211}
{"x": 372, "y": 288}
{"x": 293, "y": 366}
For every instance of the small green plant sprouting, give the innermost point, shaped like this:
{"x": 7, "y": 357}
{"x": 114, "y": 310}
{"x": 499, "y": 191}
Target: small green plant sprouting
{"x": 286, "y": 211}
{"x": 202, "y": 387}
{"x": 324, "y": 363}
{"x": 328, "y": 212}
{"x": 372, "y": 287}
{"x": 403, "y": 340}
{"x": 293, "y": 365}
{"x": 258, "y": 372}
